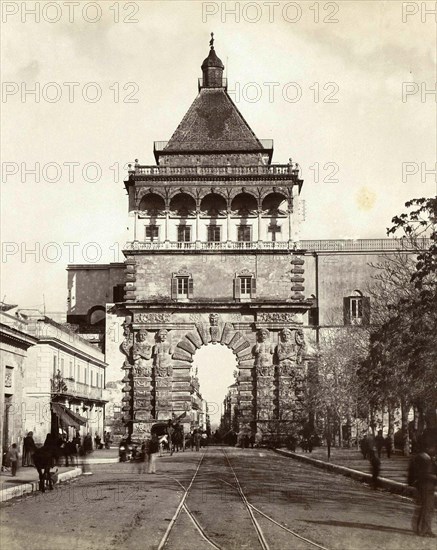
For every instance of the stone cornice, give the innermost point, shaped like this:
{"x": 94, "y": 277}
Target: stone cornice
{"x": 11, "y": 335}
{"x": 208, "y": 304}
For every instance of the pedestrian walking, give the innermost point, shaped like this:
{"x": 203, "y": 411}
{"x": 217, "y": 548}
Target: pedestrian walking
{"x": 152, "y": 450}
{"x": 28, "y": 450}
{"x": 87, "y": 449}
{"x": 142, "y": 458}
{"x": 13, "y": 459}
{"x": 379, "y": 442}
{"x": 197, "y": 439}
{"x": 388, "y": 446}
{"x": 375, "y": 465}
{"x": 422, "y": 472}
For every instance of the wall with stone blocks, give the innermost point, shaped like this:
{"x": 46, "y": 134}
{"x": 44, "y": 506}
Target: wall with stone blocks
{"x": 213, "y": 274}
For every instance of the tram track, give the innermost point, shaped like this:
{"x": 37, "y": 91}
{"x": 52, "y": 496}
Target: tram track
{"x": 269, "y": 518}
{"x": 250, "y": 508}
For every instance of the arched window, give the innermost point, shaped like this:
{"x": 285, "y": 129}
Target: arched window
{"x": 182, "y": 205}
{"x": 244, "y": 205}
{"x": 274, "y": 205}
{"x": 213, "y": 206}
{"x": 96, "y": 314}
{"x": 152, "y": 205}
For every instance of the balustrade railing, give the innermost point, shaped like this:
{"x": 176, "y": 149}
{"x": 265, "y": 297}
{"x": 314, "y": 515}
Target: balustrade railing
{"x": 198, "y": 170}
{"x": 249, "y": 245}
{"x": 359, "y": 245}
{"x": 78, "y": 389}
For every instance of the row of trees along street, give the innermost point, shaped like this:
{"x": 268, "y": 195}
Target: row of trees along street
{"x": 388, "y": 367}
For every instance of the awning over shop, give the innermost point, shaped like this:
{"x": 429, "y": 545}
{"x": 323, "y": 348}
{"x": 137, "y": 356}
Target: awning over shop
{"x": 67, "y": 416}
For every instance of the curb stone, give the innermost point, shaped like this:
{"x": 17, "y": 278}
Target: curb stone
{"x": 33, "y": 486}
{"x": 384, "y": 483}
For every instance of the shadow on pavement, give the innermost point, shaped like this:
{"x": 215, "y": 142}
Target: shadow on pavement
{"x": 372, "y": 527}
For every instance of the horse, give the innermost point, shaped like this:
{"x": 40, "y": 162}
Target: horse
{"x": 43, "y": 459}
{"x": 178, "y": 439}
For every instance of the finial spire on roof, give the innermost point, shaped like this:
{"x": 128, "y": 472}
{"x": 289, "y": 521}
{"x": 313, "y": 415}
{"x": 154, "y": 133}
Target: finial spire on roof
{"x": 211, "y": 42}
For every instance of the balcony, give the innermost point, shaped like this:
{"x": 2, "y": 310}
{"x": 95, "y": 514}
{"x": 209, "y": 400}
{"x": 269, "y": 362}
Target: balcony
{"x": 69, "y": 387}
{"x": 142, "y": 172}
{"x": 249, "y": 245}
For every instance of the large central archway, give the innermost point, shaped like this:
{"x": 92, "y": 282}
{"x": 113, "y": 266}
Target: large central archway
{"x": 264, "y": 348}
{"x": 215, "y": 369}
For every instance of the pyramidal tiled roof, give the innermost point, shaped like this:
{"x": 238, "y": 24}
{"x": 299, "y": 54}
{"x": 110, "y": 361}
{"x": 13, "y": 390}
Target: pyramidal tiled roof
{"x": 213, "y": 123}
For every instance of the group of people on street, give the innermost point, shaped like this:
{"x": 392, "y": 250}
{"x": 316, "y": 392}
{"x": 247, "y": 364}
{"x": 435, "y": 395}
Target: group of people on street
{"x": 61, "y": 445}
{"x": 144, "y": 456}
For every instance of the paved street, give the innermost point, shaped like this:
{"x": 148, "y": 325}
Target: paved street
{"x": 236, "y": 499}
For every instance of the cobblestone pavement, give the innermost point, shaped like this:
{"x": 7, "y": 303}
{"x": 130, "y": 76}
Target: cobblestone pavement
{"x": 236, "y": 499}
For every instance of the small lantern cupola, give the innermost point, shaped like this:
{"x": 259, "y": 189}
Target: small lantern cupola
{"x": 212, "y": 69}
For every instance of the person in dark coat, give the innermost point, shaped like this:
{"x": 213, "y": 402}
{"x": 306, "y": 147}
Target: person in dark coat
{"x": 422, "y": 476}
{"x": 88, "y": 444}
{"x": 379, "y": 442}
{"x": 28, "y": 449}
{"x": 388, "y": 446}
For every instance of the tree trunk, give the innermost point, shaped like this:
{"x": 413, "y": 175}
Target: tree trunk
{"x": 391, "y": 424}
{"x": 340, "y": 432}
{"x": 404, "y": 427}
{"x": 372, "y": 420}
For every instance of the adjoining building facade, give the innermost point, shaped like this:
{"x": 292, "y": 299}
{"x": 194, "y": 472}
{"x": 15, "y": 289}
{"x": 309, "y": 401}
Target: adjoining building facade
{"x": 214, "y": 258}
{"x": 15, "y": 342}
{"x": 53, "y": 380}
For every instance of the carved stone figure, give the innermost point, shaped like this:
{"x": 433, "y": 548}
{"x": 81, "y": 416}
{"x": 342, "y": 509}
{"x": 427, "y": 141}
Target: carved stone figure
{"x": 214, "y": 319}
{"x": 214, "y": 327}
{"x": 126, "y": 345}
{"x": 286, "y": 352}
{"x": 300, "y": 342}
{"x": 162, "y": 352}
{"x": 142, "y": 353}
{"x": 263, "y": 352}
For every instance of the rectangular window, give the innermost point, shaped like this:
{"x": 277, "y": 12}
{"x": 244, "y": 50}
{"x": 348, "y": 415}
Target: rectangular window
{"x": 274, "y": 230}
{"x": 181, "y": 287}
{"x": 71, "y": 375}
{"x": 214, "y": 233}
{"x": 246, "y": 285}
{"x": 54, "y": 365}
{"x": 118, "y": 293}
{"x": 62, "y": 367}
{"x": 152, "y": 233}
{"x": 182, "y": 290}
{"x": 85, "y": 375}
{"x": 184, "y": 234}
{"x": 92, "y": 378}
{"x": 356, "y": 308}
{"x": 244, "y": 233}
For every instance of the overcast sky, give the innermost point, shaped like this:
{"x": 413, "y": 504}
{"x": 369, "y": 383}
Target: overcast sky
{"x": 365, "y": 136}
